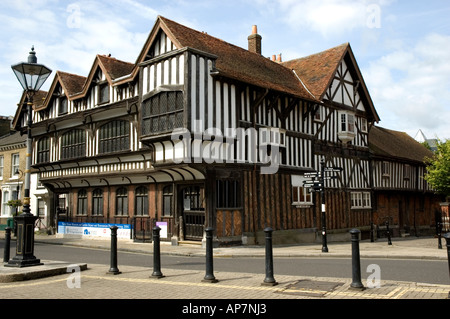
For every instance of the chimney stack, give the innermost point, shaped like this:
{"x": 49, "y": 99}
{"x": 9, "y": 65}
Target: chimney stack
{"x": 254, "y": 41}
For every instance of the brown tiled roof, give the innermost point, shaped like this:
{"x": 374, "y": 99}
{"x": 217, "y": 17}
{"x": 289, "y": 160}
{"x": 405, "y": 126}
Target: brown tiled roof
{"x": 317, "y": 70}
{"x": 115, "y": 68}
{"x": 238, "y": 63}
{"x": 395, "y": 144}
{"x": 72, "y": 83}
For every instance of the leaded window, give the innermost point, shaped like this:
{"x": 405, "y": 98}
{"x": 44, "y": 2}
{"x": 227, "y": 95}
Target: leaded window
{"x": 114, "y": 137}
{"x": 162, "y": 113}
{"x": 122, "y": 202}
{"x": 97, "y": 202}
{"x": 73, "y": 144}
{"x": 43, "y": 150}
{"x": 141, "y": 199}
{"x": 168, "y": 200}
{"x": 82, "y": 202}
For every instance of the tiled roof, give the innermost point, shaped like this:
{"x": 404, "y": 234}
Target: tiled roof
{"x": 395, "y": 144}
{"x": 238, "y": 63}
{"x": 316, "y": 70}
{"x": 115, "y": 68}
{"x": 72, "y": 83}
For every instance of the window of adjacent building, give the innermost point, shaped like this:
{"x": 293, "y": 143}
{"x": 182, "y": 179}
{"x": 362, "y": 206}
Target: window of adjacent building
{"x": 43, "y": 150}
{"x": 1, "y": 166}
{"x": 163, "y": 113}
{"x": 5, "y": 206}
{"x": 228, "y": 194}
{"x": 122, "y": 202}
{"x": 97, "y": 202}
{"x": 141, "y": 201}
{"x": 41, "y": 207}
{"x": 15, "y": 165}
{"x": 103, "y": 93}
{"x": 82, "y": 202}
{"x": 114, "y": 136}
{"x": 168, "y": 200}
{"x": 360, "y": 200}
{"x": 300, "y": 195}
{"x": 63, "y": 107}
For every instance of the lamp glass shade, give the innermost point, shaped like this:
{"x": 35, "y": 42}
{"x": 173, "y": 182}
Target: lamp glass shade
{"x": 31, "y": 75}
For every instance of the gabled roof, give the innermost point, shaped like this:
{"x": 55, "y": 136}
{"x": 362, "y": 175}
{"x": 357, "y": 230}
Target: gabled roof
{"x": 317, "y": 71}
{"x": 38, "y": 101}
{"x": 232, "y": 61}
{"x": 111, "y": 67}
{"x": 397, "y": 145}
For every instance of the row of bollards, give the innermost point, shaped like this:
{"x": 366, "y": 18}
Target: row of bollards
{"x": 209, "y": 275}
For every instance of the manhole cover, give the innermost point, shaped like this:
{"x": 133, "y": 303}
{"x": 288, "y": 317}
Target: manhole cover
{"x": 311, "y": 288}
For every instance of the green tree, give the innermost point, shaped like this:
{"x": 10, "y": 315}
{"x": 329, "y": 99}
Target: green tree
{"x": 438, "y": 169}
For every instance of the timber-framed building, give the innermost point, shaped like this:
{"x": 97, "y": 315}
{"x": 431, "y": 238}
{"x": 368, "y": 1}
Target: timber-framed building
{"x": 199, "y": 132}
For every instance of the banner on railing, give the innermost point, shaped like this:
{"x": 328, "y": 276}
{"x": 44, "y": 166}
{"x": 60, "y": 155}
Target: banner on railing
{"x": 93, "y": 229}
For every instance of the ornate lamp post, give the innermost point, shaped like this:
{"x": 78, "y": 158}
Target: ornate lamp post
{"x": 31, "y": 76}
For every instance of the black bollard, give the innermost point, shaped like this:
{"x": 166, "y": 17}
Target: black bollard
{"x": 388, "y": 233}
{"x": 439, "y": 229}
{"x": 7, "y": 244}
{"x": 269, "y": 280}
{"x": 113, "y": 264}
{"x": 156, "y": 254}
{"x": 447, "y": 239}
{"x": 372, "y": 230}
{"x": 209, "y": 276}
{"x": 356, "y": 263}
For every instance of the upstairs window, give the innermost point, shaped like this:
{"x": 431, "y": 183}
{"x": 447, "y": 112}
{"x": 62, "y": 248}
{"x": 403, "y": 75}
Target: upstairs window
{"x": 346, "y": 131}
{"x": 15, "y": 160}
{"x": 103, "y": 93}
{"x": 63, "y": 105}
{"x": 73, "y": 144}
{"x": 162, "y": 113}
{"x": 43, "y": 150}
{"x": 114, "y": 137}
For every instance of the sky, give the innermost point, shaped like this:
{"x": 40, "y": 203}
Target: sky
{"x": 402, "y": 47}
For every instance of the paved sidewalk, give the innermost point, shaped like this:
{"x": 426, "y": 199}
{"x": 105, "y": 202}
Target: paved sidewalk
{"x": 137, "y": 282}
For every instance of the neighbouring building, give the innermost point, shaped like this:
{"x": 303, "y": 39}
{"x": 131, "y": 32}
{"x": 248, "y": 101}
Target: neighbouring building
{"x": 199, "y": 132}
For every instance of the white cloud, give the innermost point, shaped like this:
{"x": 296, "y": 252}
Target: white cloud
{"x": 330, "y": 17}
{"x": 410, "y": 87}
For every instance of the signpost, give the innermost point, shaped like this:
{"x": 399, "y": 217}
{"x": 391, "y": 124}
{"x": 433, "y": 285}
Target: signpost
{"x": 317, "y": 184}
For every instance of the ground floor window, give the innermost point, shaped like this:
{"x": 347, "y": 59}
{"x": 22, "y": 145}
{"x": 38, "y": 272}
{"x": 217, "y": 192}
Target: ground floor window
{"x": 82, "y": 202}
{"x": 300, "y": 195}
{"x": 168, "y": 200}
{"x": 360, "y": 200}
{"x": 141, "y": 207}
{"x": 228, "y": 194}
{"x": 122, "y": 202}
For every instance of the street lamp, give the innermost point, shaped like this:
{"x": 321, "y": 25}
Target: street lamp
{"x": 31, "y": 76}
